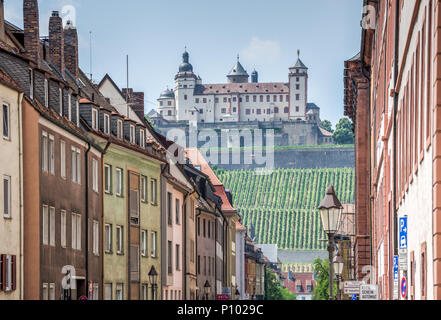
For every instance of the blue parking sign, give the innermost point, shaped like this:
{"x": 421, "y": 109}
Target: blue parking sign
{"x": 396, "y": 274}
{"x": 403, "y": 233}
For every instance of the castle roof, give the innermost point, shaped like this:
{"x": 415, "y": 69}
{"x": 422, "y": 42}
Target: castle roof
{"x": 238, "y": 70}
{"x": 311, "y": 106}
{"x": 167, "y": 94}
{"x": 242, "y": 88}
{"x": 299, "y": 64}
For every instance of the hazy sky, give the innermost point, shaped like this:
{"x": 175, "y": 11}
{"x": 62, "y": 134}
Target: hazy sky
{"x": 265, "y": 33}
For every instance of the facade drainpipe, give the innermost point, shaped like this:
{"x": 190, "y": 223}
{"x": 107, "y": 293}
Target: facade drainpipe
{"x": 87, "y": 217}
{"x": 20, "y": 143}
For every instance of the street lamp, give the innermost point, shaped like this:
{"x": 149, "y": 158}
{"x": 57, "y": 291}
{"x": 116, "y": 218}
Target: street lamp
{"x": 330, "y": 213}
{"x": 153, "y": 278}
{"x": 207, "y": 289}
{"x": 338, "y": 263}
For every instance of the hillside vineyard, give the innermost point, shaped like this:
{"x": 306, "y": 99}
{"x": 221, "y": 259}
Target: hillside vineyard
{"x": 282, "y": 206}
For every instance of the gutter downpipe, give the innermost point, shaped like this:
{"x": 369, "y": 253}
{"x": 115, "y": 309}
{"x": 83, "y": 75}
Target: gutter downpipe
{"x": 185, "y": 243}
{"x": 87, "y": 218}
{"x": 20, "y": 143}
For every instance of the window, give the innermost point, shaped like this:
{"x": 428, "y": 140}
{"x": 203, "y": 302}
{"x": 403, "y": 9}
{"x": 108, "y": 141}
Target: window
{"x": 153, "y": 251}
{"x": 192, "y": 251}
{"x": 169, "y": 113}
{"x": 201, "y": 111}
{"x": 223, "y": 110}
{"x": 258, "y": 111}
{"x": 96, "y": 238}
{"x": 204, "y": 100}
{"x": 76, "y": 165}
{"x": 197, "y": 100}
{"x": 63, "y": 228}
{"x": 234, "y": 110}
{"x": 205, "y": 265}
{"x": 199, "y": 264}
{"x": 108, "y": 238}
{"x": 142, "y": 138}
{"x": 178, "y": 211}
{"x": 153, "y": 184}
{"x": 185, "y": 97}
{"x": 225, "y": 99}
{"x": 268, "y": 99}
{"x": 107, "y": 178}
{"x": 60, "y": 102}
{"x": 108, "y": 291}
{"x": 209, "y": 229}
{"x": 7, "y": 196}
{"x": 247, "y": 111}
{"x": 95, "y": 175}
{"x": 276, "y": 109}
{"x": 52, "y": 226}
{"x": 297, "y": 109}
{"x": 170, "y": 257}
{"x": 46, "y": 93}
{"x": 199, "y": 226}
{"x": 209, "y": 266}
{"x": 94, "y": 118}
{"x": 143, "y": 189}
{"x": 119, "y": 129}
{"x": 203, "y": 225}
{"x": 132, "y": 134}
{"x": 45, "y": 224}
{"x": 45, "y": 292}
{"x": 216, "y": 100}
{"x": 144, "y": 243}
{"x": 161, "y": 103}
{"x": 286, "y": 110}
{"x": 169, "y": 208}
{"x": 106, "y": 124}
{"x": 119, "y": 291}
{"x": 95, "y": 291}
{"x": 261, "y": 98}
{"x": 119, "y": 240}
{"x": 119, "y": 182}
{"x": 51, "y": 155}
{"x": 178, "y": 255}
{"x": 78, "y": 112}
{"x": 44, "y": 151}
{"x": 8, "y": 272}
{"x": 76, "y": 231}
{"x": 297, "y": 79}
{"x": 52, "y": 291}
{"x": 31, "y": 83}
{"x": 69, "y": 107}
{"x": 63, "y": 159}
{"x": 6, "y": 122}
{"x": 169, "y": 103}
{"x": 297, "y": 97}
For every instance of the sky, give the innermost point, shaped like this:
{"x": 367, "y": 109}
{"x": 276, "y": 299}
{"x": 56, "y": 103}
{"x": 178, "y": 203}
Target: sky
{"x": 266, "y": 35}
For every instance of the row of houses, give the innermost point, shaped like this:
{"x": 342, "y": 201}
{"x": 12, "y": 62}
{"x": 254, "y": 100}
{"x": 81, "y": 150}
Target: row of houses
{"x": 93, "y": 203}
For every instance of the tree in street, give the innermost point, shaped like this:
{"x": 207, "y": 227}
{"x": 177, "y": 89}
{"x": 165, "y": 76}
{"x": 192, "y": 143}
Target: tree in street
{"x": 274, "y": 289}
{"x": 327, "y": 125}
{"x": 321, "y": 291}
{"x": 343, "y": 132}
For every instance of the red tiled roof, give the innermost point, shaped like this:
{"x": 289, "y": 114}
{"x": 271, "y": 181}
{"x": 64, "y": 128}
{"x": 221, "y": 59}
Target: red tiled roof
{"x": 325, "y": 132}
{"x": 226, "y": 205}
{"x": 239, "y": 226}
{"x": 243, "y": 88}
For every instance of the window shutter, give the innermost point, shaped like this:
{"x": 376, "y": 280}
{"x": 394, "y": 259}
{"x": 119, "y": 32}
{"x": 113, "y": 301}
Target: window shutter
{"x": 3, "y": 272}
{"x": 14, "y": 273}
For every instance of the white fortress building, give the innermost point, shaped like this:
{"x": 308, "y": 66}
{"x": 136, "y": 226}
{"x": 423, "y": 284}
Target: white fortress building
{"x": 238, "y": 100}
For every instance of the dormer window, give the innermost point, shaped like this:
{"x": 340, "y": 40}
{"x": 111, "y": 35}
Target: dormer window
{"x": 106, "y": 124}
{"x": 78, "y": 111}
{"x": 69, "y": 107}
{"x": 94, "y": 118}
{"x": 132, "y": 134}
{"x": 46, "y": 93}
{"x": 31, "y": 83}
{"x": 142, "y": 138}
{"x": 60, "y": 93}
{"x": 119, "y": 129}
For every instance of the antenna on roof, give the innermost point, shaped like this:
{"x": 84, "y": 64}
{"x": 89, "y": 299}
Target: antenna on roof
{"x": 298, "y": 53}
{"x": 127, "y": 91}
{"x": 237, "y": 57}
{"x": 90, "y": 38}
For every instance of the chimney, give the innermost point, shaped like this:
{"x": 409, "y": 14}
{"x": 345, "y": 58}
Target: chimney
{"x": 31, "y": 28}
{"x": 56, "y": 41}
{"x": 2, "y": 21}
{"x": 71, "y": 49}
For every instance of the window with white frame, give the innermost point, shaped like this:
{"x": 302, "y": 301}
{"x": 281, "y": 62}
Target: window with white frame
{"x": 106, "y": 124}
{"x": 78, "y": 112}
{"x": 94, "y": 118}
{"x": 60, "y": 102}
{"x": 144, "y": 243}
{"x": 44, "y": 147}
{"x": 107, "y": 178}
{"x": 145, "y": 291}
{"x": 178, "y": 211}
{"x": 52, "y": 226}
{"x": 31, "y": 83}
{"x": 153, "y": 186}
{"x": 76, "y": 231}
{"x": 119, "y": 239}
{"x": 51, "y": 155}
{"x": 95, "y": 291}
{"x": 132, "y": 134}
{"x": 52, "y": 291}
{"x": 76, "y": 165}
{"x": 142, "y": 138}
{"x": 63, "y": 159}
{"x": 45, "y": 291}
{"x": 143, "y": 189}
{"x": 108, "y": 291}
{"x": 7, "y": 197}
{"x": 45, "y": 224}
{"x": 8, "y": 268}
{"x": 46, "y": 93}
{"x": 96, "y": 233}
{"x": 95, "y": 175}
{"x": 153, "y": 244}
{"x": 108, "y": 238}
{"x": 119, "y": 129}
{"x": 69, "y": 106}
{"x": 119, "y": 182}
{"x": 6, "y": 125}
{"x": 63, "y": 219}
{"x": 119, "y": 291}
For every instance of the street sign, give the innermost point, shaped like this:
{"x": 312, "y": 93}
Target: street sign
{"x": 352, "y": 287}
{"x": 403, "y": 288}
{"x": 403, "y": 243}
{"x": 369, "y": 292}
{"x": 223, "y": 297}
{"x": 82, "y": 298}
{"x": 396, "y": 277}
{"x": 354, "y": 297}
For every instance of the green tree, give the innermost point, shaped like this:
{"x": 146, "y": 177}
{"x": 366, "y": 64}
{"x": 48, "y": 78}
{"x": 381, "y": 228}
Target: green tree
{"x": 274, "y": 289}
{"x": 327, "y": 125}
{"x": 343, "y": 132}
{"x": 321, "y": 291}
